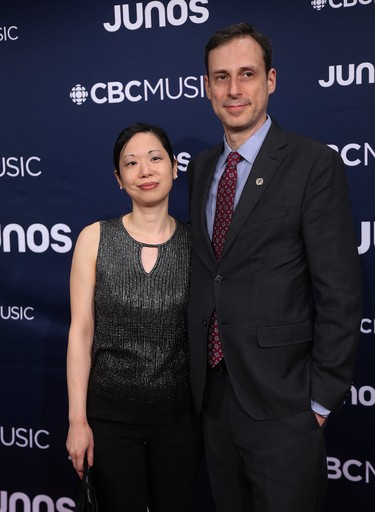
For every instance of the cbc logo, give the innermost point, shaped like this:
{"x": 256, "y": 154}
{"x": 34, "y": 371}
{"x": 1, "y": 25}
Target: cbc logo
{"x": 78, "y": 94}
{"x": 319, "y": 4}
{"x": 176, "y": 13}
{"x": 20, "y": 166}
{"x": 21, "y": 502}
{"x": 8, "y": 33}
{"x": 163, "y": 88}
{"x": 24, "y": 438}
{"x": 36, "y": 238}
{"x": 352, "y": 469}
{"x": 358, "y": 75}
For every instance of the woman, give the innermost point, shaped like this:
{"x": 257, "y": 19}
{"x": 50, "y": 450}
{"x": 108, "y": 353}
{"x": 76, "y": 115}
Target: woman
{"x": 127, "y": 362}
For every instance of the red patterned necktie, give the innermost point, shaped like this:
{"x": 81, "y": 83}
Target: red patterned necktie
{"x": 223, "y": 216}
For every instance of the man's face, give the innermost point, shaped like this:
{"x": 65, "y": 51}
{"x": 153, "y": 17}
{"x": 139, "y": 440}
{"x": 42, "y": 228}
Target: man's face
{"x": 238, "y": 87}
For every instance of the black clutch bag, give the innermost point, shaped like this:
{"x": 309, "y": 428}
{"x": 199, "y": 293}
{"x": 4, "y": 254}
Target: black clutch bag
{"x": 86, "y": 499}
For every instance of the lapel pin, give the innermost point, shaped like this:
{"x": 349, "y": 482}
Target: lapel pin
{"x": 259, "y": 181}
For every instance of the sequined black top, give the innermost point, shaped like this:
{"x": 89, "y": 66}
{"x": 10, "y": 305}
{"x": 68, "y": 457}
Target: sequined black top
{"x": 140, "y": 351}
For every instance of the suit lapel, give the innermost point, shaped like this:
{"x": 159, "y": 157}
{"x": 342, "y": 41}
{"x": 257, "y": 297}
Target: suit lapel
{"x": 268, "y": 160}
{"x": 203, "y": 185}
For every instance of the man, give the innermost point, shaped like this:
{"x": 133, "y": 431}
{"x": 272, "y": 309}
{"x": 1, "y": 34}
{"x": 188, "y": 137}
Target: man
{"x": 275, "y": 292}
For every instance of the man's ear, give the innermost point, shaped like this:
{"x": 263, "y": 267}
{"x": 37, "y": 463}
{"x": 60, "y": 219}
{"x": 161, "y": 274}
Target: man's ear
{"x": 207, "y": 86}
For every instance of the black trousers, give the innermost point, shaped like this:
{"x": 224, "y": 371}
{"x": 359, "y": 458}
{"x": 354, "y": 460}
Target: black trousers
{"x": 140, "y": 466}
{"x": 261, "y": 466}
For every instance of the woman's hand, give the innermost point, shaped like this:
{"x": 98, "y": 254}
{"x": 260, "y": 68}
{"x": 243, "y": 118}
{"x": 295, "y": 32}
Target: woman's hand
{"x": 79, "y": 441}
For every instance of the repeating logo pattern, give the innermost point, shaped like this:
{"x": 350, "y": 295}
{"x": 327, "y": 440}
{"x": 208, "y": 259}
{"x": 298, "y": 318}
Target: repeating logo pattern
{"x": 318, "y": 4}
{"x": 79, "y": 94}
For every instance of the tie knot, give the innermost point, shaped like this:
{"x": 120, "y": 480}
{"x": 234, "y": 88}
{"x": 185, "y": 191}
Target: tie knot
{"x": 233, "y": 159}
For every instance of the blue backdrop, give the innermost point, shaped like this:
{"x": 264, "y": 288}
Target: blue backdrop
{"x": 73, "y": 75}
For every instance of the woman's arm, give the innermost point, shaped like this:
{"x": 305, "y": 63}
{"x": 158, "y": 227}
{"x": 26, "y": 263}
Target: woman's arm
{"x": 81, "y": 332}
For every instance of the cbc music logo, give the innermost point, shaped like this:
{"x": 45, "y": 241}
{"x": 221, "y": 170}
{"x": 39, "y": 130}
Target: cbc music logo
{"x": 20, "y": 166}
{"x": 37, "y": 238}
{"x": 17, "y": 313}
{"x": 354, "y": 154}
{"x": 78, "y": 94}
{"x": 12, "y": 502}
{"x": 8, "y": 33}
{"x": 353, "y": 470}
{"x": 24, "y": 438}
{"x": 176, "y": 13}
{"x": 318, "y": 4}
{"x": 361, "y": 74}
{"x": 368, "y": 326}
{"x": 162, "y": 89}
{"x": 336, "y": 4}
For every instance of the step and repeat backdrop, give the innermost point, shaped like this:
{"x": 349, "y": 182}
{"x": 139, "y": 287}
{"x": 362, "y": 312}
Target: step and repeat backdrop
{"x": 73, "y": 75}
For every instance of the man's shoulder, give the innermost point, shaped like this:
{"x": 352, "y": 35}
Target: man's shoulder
{"x": 298, "y": 140}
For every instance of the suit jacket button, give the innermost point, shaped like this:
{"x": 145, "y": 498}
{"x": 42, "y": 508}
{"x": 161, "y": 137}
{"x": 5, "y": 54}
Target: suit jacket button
{"x": 218, "y": 278}
{"x": 204, "y": 323}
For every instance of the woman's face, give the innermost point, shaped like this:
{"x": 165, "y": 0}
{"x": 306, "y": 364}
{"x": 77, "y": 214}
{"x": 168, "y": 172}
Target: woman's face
{"x": 145, "y": 170}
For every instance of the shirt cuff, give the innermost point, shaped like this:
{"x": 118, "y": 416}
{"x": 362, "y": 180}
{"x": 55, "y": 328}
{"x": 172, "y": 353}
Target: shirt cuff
{"x": 320, "y": 409}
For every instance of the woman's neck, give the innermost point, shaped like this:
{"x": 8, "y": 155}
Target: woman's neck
{"x": 153, "y": 227}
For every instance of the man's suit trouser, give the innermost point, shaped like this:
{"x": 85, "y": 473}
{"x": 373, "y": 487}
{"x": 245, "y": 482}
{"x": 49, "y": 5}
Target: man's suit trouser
{"x": 261, "y": 466}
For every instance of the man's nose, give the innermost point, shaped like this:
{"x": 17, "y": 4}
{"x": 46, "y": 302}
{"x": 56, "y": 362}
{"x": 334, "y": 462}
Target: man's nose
{"x": 234, "y": 88}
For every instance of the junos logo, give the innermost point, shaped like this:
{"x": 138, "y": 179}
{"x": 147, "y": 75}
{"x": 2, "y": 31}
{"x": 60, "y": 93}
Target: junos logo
{"x": 183, "y": 160}
{"x": 336, "y": 4}
{"x": 366, "y": 228}
{"x": 20, "y": 166}
{"x": 8, "y": 33}
{"x": 21, "y": 502}
{"x": 176, "y": 13}
{"x": 365, "y": 395}
{"x": 189, "y": 87}
{"x": 36, "y": 238}
{"x": 24, "y": 438}
{"x": 352, "y": 469}
{"x": 354, "y": 154}
{"x": 17, "y": 313}
{"x": 358, "y": 75}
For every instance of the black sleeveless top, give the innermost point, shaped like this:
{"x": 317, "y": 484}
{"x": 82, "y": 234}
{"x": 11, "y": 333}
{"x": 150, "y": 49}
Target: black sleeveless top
{"x": 140, "y": 351}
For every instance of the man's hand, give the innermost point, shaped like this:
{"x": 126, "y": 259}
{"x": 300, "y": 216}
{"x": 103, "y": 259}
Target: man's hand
{"x": 320, "y": 419}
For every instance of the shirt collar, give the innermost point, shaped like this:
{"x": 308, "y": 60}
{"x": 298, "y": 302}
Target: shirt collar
{"x": 249, "y": 149}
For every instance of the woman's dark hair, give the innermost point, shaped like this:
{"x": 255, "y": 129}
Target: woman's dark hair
{"x": 132, "y": 130}
{"x": 236, "y": 31}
